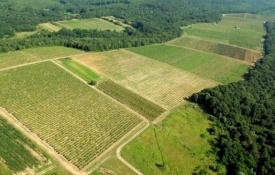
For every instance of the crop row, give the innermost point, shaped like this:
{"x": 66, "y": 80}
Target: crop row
{"x": 12, "y": 148}
{"x": 72, "y": 117}
{"x": 133, "y": 100}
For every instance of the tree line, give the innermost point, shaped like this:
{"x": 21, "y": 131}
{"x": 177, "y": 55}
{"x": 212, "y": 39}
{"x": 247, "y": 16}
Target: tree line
{"x": 152, "y": 21}
{"x": 244, "y": 122}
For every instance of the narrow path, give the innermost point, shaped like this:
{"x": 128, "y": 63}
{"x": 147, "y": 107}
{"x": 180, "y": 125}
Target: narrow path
{"x": 42, "y": 144}
{"x": 130, "y": 139}
{"x": 125, "y": 143}
{"x": 46, "y": 170}
{"x": 40, "y": 61}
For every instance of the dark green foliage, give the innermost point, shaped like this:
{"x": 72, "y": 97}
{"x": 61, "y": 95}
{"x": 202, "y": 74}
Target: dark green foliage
{"x": 12, "y": 150}
{"x": 141, "y": 105}
{"x": 245, "y": 122}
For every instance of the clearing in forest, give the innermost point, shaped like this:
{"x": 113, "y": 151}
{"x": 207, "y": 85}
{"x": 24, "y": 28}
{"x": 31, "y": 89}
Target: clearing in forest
{"x": 233, "y": 30}
{"x": 177, "y": 146}
{"x": 218, "y": 68}
{"x": 76, "y": 120}
{"x": 92, "y": 23}
{"x": 50, "y": 27}
{"x": 35, "y": 54}
{"x": 160, "y": 83}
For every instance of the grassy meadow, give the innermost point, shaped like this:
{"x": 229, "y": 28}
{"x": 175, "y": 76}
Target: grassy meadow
{"x": 176, "y": 146}
{"x": 113, "y": 166}
{"x": 82, "y": 71}
{"x": 158, "y": 82}
{"x": 35, "y": 54}
{"x": 77, "y": 121}
{"x": 92, "y": 23}
{"x": 215, "y": 67}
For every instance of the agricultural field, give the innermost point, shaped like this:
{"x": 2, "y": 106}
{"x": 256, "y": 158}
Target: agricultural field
{"x": 50, "y": 27}
{"x": 179, "y": 145}
{"x": 35, "y": 54}
{"x": 73, "y": 118}
{"x": 239, "y": 53}
{"x": 215, "y": 67}
{"x": 158, "y": 82}
{"x": 93, "y": 23}
{"x": 134, "y": 101}
{"x": 82, "y": 71}
{"x": 17, "y": 153}
{"x": 248, "y": 36}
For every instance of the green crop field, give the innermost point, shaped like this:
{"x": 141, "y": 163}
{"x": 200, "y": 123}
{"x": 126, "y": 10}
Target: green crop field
{"x": 248, "y": 36}
{"x": 177, "y": 146}
{"x": 218, "y": 68}
{"x": 35, "y": 54}
{"x": 82, "y": 71}
{"x": 16, "y": 150}
{"x": 76, "y": 120}
{"x": 160, "y": 83}
{"x": 217, "y": 48}
{"x": 134, "y": 101}
{"x": 93, "y": 23}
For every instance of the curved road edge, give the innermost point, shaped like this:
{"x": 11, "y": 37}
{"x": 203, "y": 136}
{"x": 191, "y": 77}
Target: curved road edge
{"x": 125, "y": 143}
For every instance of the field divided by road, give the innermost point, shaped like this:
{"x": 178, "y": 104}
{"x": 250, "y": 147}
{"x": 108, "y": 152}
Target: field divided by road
{"x": 92, "y": 23}
{"x": 249, "y": 35}
{"x": 77, "y": 121}
{"x": 218, "y": 68}
{"x": 160, "y": 83}
{"x": 35, "y": 54}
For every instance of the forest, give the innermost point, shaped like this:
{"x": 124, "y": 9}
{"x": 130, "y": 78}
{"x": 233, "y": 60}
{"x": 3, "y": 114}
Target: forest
{"x": 152, "y": 21}
{"x": 244, "y": 123}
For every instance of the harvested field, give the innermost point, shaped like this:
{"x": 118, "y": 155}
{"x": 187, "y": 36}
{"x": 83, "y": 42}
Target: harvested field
{"x": 218, "y": 68}
{"x": 158, "y": 82}
{"x": 134, "y": 101}
{"x": 76, "y": 120}
{"x": 242, "y": 54}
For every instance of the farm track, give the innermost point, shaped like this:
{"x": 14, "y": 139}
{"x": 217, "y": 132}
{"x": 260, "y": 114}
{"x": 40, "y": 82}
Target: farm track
{"x": 18, "y": 125}
{"x": 40, "y": 61}
{"x": 126, "y": 135}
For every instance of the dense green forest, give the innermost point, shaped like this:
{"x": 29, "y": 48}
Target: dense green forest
{"x": 153, "y": 21}
{"x": 244, "y": 116}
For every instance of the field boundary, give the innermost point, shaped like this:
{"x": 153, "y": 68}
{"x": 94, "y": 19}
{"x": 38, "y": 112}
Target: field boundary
{"x": 42, "y": 144}
{"x": 127, "y": 134}
{"x": 35, "y": 62}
